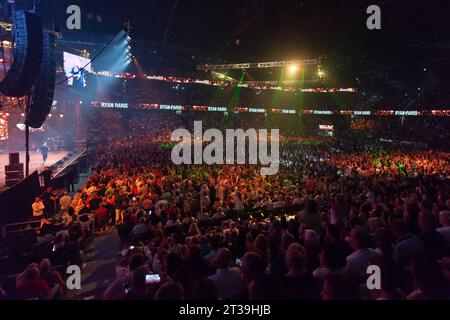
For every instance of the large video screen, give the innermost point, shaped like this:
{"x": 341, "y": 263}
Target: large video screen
{"x": 73, "y": 68}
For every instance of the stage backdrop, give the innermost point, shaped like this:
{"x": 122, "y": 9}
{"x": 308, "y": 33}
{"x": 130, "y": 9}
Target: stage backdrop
{"x": 15, "y": 203}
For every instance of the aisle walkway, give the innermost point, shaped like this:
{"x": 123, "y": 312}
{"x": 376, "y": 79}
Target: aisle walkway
{"x": 99, "y": 268}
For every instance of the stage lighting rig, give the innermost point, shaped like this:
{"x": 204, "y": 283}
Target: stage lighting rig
{"x": 259, "y": 65}
{"x": 293, "y": 68}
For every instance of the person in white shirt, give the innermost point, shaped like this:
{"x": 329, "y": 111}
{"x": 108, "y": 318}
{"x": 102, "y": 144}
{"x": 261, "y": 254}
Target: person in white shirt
{"x": 38, "y": 208}
{"x": 65, "y": 201}
{"x": 358, "y": 261}
{"x": 444, "y": 219}
{"x": 227, "y": 280}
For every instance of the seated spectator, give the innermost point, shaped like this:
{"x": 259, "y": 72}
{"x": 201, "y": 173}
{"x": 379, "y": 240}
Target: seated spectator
{"x": 52, "y": 277}
{"x": 30, "y": 284}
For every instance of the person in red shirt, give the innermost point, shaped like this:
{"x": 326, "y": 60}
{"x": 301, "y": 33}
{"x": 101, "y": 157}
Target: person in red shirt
{"x": 310, "y": 185}
{"x": 101, "y": 217}
{"x": 146, "y": 204}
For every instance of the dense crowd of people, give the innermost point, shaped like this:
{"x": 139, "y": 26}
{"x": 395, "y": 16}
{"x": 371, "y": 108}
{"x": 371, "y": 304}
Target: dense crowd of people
{"x": 226, "y": 232}
{"x": 325, "y": 217}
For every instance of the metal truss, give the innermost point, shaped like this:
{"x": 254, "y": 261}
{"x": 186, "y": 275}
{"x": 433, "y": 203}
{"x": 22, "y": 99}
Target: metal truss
{"x": 258, "y": 65}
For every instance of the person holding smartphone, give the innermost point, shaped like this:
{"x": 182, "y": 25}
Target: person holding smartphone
{"x": 142, "y": 286}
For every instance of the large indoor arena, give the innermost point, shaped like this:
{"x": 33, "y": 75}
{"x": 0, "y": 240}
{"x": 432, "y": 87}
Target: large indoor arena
{"x": 224, "y": 151}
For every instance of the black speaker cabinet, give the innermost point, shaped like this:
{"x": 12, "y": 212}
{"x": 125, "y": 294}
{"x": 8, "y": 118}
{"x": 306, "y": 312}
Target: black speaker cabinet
{"x": 14, "y": 158}
{"x": 13, "y": 174}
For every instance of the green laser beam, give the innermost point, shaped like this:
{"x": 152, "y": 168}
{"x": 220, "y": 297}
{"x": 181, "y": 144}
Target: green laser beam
{"x": 237, "y": 93}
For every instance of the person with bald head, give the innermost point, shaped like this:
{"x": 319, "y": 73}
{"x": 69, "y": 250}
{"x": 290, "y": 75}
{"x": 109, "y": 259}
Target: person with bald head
{"x": 227, "y": 280}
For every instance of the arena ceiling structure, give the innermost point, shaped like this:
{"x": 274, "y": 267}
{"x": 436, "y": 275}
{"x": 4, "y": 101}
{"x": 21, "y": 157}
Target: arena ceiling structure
{"x": 414, "y": 35}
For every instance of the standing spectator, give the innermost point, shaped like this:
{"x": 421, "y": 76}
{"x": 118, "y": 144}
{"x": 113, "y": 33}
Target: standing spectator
{"x": 358, "y": 261}
{"x": 299, "y": 283}
{"x": 434, "y": 243}
{"x": 227, "y": 280}
{"x": 47, "y": 175}
{"x": 101, "y": 217}
{"x": 65, "y": 201}
{"x": 38, "y": 208}
{"x": 121, "y": 206}
{"x": 408, "y": 245}
{"x": 444, "y": 219}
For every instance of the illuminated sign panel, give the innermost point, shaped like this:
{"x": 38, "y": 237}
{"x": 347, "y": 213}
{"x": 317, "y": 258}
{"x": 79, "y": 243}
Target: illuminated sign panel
{"x": 221, "y": 109}
{"x": 322, "y": 112}
{"x": 256, "y": 110}
{"x": 114, "y": 105}
{"x": 361, "y": 113}
{"x": 170, "y": 107}
{"x": 407, "y": 113}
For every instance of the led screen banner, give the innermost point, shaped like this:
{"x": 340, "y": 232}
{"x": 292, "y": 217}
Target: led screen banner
{"x": 263, "y": 110}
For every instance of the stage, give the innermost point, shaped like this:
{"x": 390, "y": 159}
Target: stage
{"x": 35, "y": 161}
